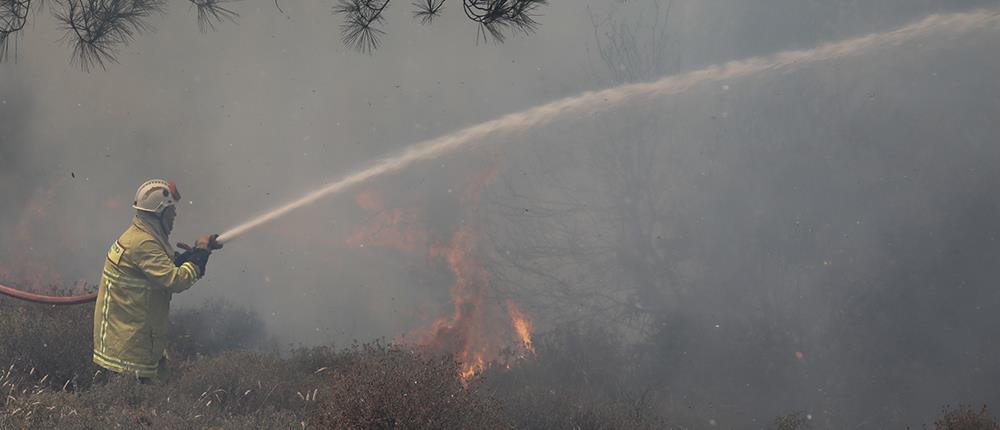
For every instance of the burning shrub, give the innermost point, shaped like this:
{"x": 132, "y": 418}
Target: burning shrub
{"x": 966, "y": 418}
{"x": 377, "y": 386}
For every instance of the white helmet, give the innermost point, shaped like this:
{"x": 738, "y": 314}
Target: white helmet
{"x": 155, "y": 195}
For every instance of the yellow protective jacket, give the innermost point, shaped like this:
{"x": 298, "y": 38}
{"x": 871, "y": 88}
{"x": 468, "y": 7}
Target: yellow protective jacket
{"x": 133, "y": 300}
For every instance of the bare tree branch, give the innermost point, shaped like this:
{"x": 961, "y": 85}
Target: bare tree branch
{"x": 598, "y": 245}
{"x": 633, "y": 50}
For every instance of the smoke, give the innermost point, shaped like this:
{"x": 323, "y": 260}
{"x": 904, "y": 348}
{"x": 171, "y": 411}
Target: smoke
{"x": 588, "y": 103}
{"x": 813, "y": 235}
{"x": 823, "y": 238}
{"x": 15, "y": 108}
{"x": 15, "y": 162}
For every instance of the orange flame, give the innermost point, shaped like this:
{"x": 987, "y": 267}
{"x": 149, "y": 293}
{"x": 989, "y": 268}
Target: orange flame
{"x": 477, "y": 332}
{"x": 522, "y": 325}
{"x": 462, "y": 332}
{"x": 472, "y": 367}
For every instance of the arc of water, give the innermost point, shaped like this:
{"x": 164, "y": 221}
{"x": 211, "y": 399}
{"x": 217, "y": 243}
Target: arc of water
{"x": 594, "y": 101}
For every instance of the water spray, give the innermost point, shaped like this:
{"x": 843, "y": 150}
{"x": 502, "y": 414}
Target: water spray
{"x": 596, "y": 101}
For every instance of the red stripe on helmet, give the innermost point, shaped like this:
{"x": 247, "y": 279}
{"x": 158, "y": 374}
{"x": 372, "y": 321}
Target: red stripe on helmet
{"x": 173, "y": 190}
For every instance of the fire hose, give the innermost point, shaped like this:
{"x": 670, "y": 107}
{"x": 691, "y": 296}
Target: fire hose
{"x": 85, "y": 298}
{"x": 44, "y": 299}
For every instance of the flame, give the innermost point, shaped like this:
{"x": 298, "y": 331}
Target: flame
{"x": 471, "y": 367}
{"x": 474, "y": 332}
{"x": 478, "y": 332}
{"x": 464, "y": 332}
{"x": 522, "y": 325}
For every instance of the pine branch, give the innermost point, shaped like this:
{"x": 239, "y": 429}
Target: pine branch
{"x": 13, "y": 17}
{"x": 495, "y": 17}
{"x": 427, "y": 10}
{"x": 361, "y": 20}
{"x": 211, "y": 12}
{"x": 96, "y": 28}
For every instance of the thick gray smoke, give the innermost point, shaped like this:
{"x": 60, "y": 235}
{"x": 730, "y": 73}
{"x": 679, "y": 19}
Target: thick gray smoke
{"x": 822, "y": 238}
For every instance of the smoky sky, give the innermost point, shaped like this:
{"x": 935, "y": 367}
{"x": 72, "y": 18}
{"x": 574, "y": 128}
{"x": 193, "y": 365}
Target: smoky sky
{"x": 845, "y": 210}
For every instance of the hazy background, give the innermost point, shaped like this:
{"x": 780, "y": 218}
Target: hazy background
{"x": 823, "y": 239}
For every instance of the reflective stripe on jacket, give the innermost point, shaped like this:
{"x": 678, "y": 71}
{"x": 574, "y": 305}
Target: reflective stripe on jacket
{"x": 133, "y": 300}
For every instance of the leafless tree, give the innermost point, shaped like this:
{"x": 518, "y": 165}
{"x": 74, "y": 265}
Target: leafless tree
{"x": 634, "y": 50}
{"x": 595, "y": 246}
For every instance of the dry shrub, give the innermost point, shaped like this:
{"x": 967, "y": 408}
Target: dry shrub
{"x": 541, "y": 407}
{"x": 121, "y": 402}
{"x": 792, "y": 421}
{"x": 58, "y": 340}
{"x": 382, "y": 387}
{"x": 55, "y": 341}
{"x": 233, "y": 389}
{"x": 214, "y": 327}
{"x": 365, "y": 386}
{"x": 244, "y": 383}
{"x": 966, "y": 418}
{"x": 582, "y": 377}
{"x": 315, "y": 359}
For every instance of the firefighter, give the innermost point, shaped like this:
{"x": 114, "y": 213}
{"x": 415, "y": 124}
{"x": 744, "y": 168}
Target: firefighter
{"x": 141, "y": 273}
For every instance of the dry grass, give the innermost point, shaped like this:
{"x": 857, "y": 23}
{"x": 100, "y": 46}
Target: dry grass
{"x": 48, "y": 341}
{"x": 214, "y": 327}
{"x": 966, "y": 418}
{"x": 380, "y": 387}
{"x": 793, "y": 421}
{"x": 223, "y": 378}
{"x": 581, "y": 378}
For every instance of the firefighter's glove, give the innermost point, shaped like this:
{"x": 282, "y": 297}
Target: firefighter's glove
{"x": 198, "y": 256}
{"x": 181, "y": 258}
{"x": 209, "y": 242}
